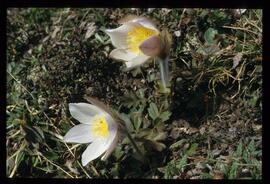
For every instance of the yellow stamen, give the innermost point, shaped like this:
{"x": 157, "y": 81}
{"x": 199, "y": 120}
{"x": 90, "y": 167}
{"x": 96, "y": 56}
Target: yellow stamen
{"x": 136, "y": 36}
{"x": 100, "y": 127}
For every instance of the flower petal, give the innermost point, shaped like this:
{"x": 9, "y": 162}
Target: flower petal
{"x": 110, "y": 149}
{"x": 113, "y": 138}
{"x": 122, "y": 54}
{"x": 119, "y": 35}
{"x": 137, "y": 19}
{"x": 137, "y": 61}
{"x": 84, "y": 112}
{"x": 112, "y": 125}
{"x": 93, "y": 151}
{"x": 79, "y": 134}
{"x": 99, "y": 146}
{"x": 146, "y": 23}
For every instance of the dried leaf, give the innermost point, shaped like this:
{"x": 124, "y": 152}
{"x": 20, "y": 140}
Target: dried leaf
{"x": 237, "y": 59}
{"x": 56, "y": 30}
{"x": 90, "y": 30}
{"x": 69, "y": 166}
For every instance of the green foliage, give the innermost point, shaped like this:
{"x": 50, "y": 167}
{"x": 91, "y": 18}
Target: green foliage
{"x": 244, "y": 158}
{"x": 206, "y": 126}
{"x": 153, "y": 111}
{"x": 176, "y": 167}
{"x": 209, "y": 36}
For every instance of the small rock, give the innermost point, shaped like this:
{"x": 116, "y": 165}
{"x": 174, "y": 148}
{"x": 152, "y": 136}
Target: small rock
{"x": 202, "y": 130}
{"x": 177, "y": 33}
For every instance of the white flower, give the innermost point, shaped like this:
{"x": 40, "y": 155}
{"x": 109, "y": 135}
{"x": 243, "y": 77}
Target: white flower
{"x": 136, "y": 40}
{"x": 97, "y": 127}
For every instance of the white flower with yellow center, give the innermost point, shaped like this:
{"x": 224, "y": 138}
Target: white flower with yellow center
{"x": 97, "y": 127}
{"x": 136, "y": 41}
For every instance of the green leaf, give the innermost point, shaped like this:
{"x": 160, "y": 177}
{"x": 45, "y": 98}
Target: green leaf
{"x": 178, "y": 144}
{"x": 209, "y": 36}
{"x": 142, "y": 92}
{"x": 52, "y": 155}
{"x": 115, "y": 169}
{"x": 233, "y": 171}
{"x": 165, "y": 115}
{"x": 20, "y": 158}
{"x": 153, "y": 111}
{"x": 35, "y": 161}
{"x": 151, "y": 77}
{"x": 99, "y": 38}
{"x": 192, "y": 149}
{"x": 136, "y": 119}
{"x": 239, "y": 150}
{"x": 136, "y": 72}
{"x": 206, "y": 176}
{"x": 33, "y": 134}
{"x": 118, "y": 153}
{"x": 182, "y": 164}
{"x": 144, "y": 133}
{"x": 127, "y": 121}
{"x": 253, "y": 101}
{"x": 160, "y": 136}
{"x": 238, "y": 46}
{"x": 162, "y": 88}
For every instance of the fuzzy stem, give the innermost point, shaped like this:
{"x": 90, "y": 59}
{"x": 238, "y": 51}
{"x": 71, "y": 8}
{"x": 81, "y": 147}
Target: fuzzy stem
{"x": 144, "y": 160}
{"x": 134, "y": 144}
{"x": 164, "y": 71}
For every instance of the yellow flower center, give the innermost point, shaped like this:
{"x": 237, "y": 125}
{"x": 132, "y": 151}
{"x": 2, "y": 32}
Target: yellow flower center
{"x": 136, "y": 36}
{"x": 100, "y": 127}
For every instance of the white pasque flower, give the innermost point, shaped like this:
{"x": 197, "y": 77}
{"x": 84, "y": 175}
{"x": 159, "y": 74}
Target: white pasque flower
{"x": 97, "y": 127}
{"x": 136, "y": 40}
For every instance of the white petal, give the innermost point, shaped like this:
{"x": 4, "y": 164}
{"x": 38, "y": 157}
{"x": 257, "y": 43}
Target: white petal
{"x": 137, "y": 61}
{"x": 79, "y": 134}
{"x": 122, "y": 54}
{"x": 113, "y": 138}
{"x": 113, "y": 127}
{"x": 119, "y": 35}
{"x": 146, "y": 23}
{"x": 99, "y": 146}
{"x": 110, "y": 149}
{"x": 93, "y": 151}
{"x": 84, "y": 112}
{"x": 141, "y": 20}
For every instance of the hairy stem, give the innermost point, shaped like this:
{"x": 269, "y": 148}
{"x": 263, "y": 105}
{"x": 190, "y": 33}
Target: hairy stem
{"x": 164, "y": 71}
{"x": 133, "y": 143}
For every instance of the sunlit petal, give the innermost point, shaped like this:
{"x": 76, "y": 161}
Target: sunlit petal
{"x": 93, "y": 151}
{"x": 137, "y": 61}
{"x": 84, "y": 112}
{"x": 110, "y": 149}
{"x": 79, "y": 134}
{"x": 146, "y": 23}
{"x": 122, "y": 54}
{"x": 99, "y": 128}
{"x": 119, "y": 35}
